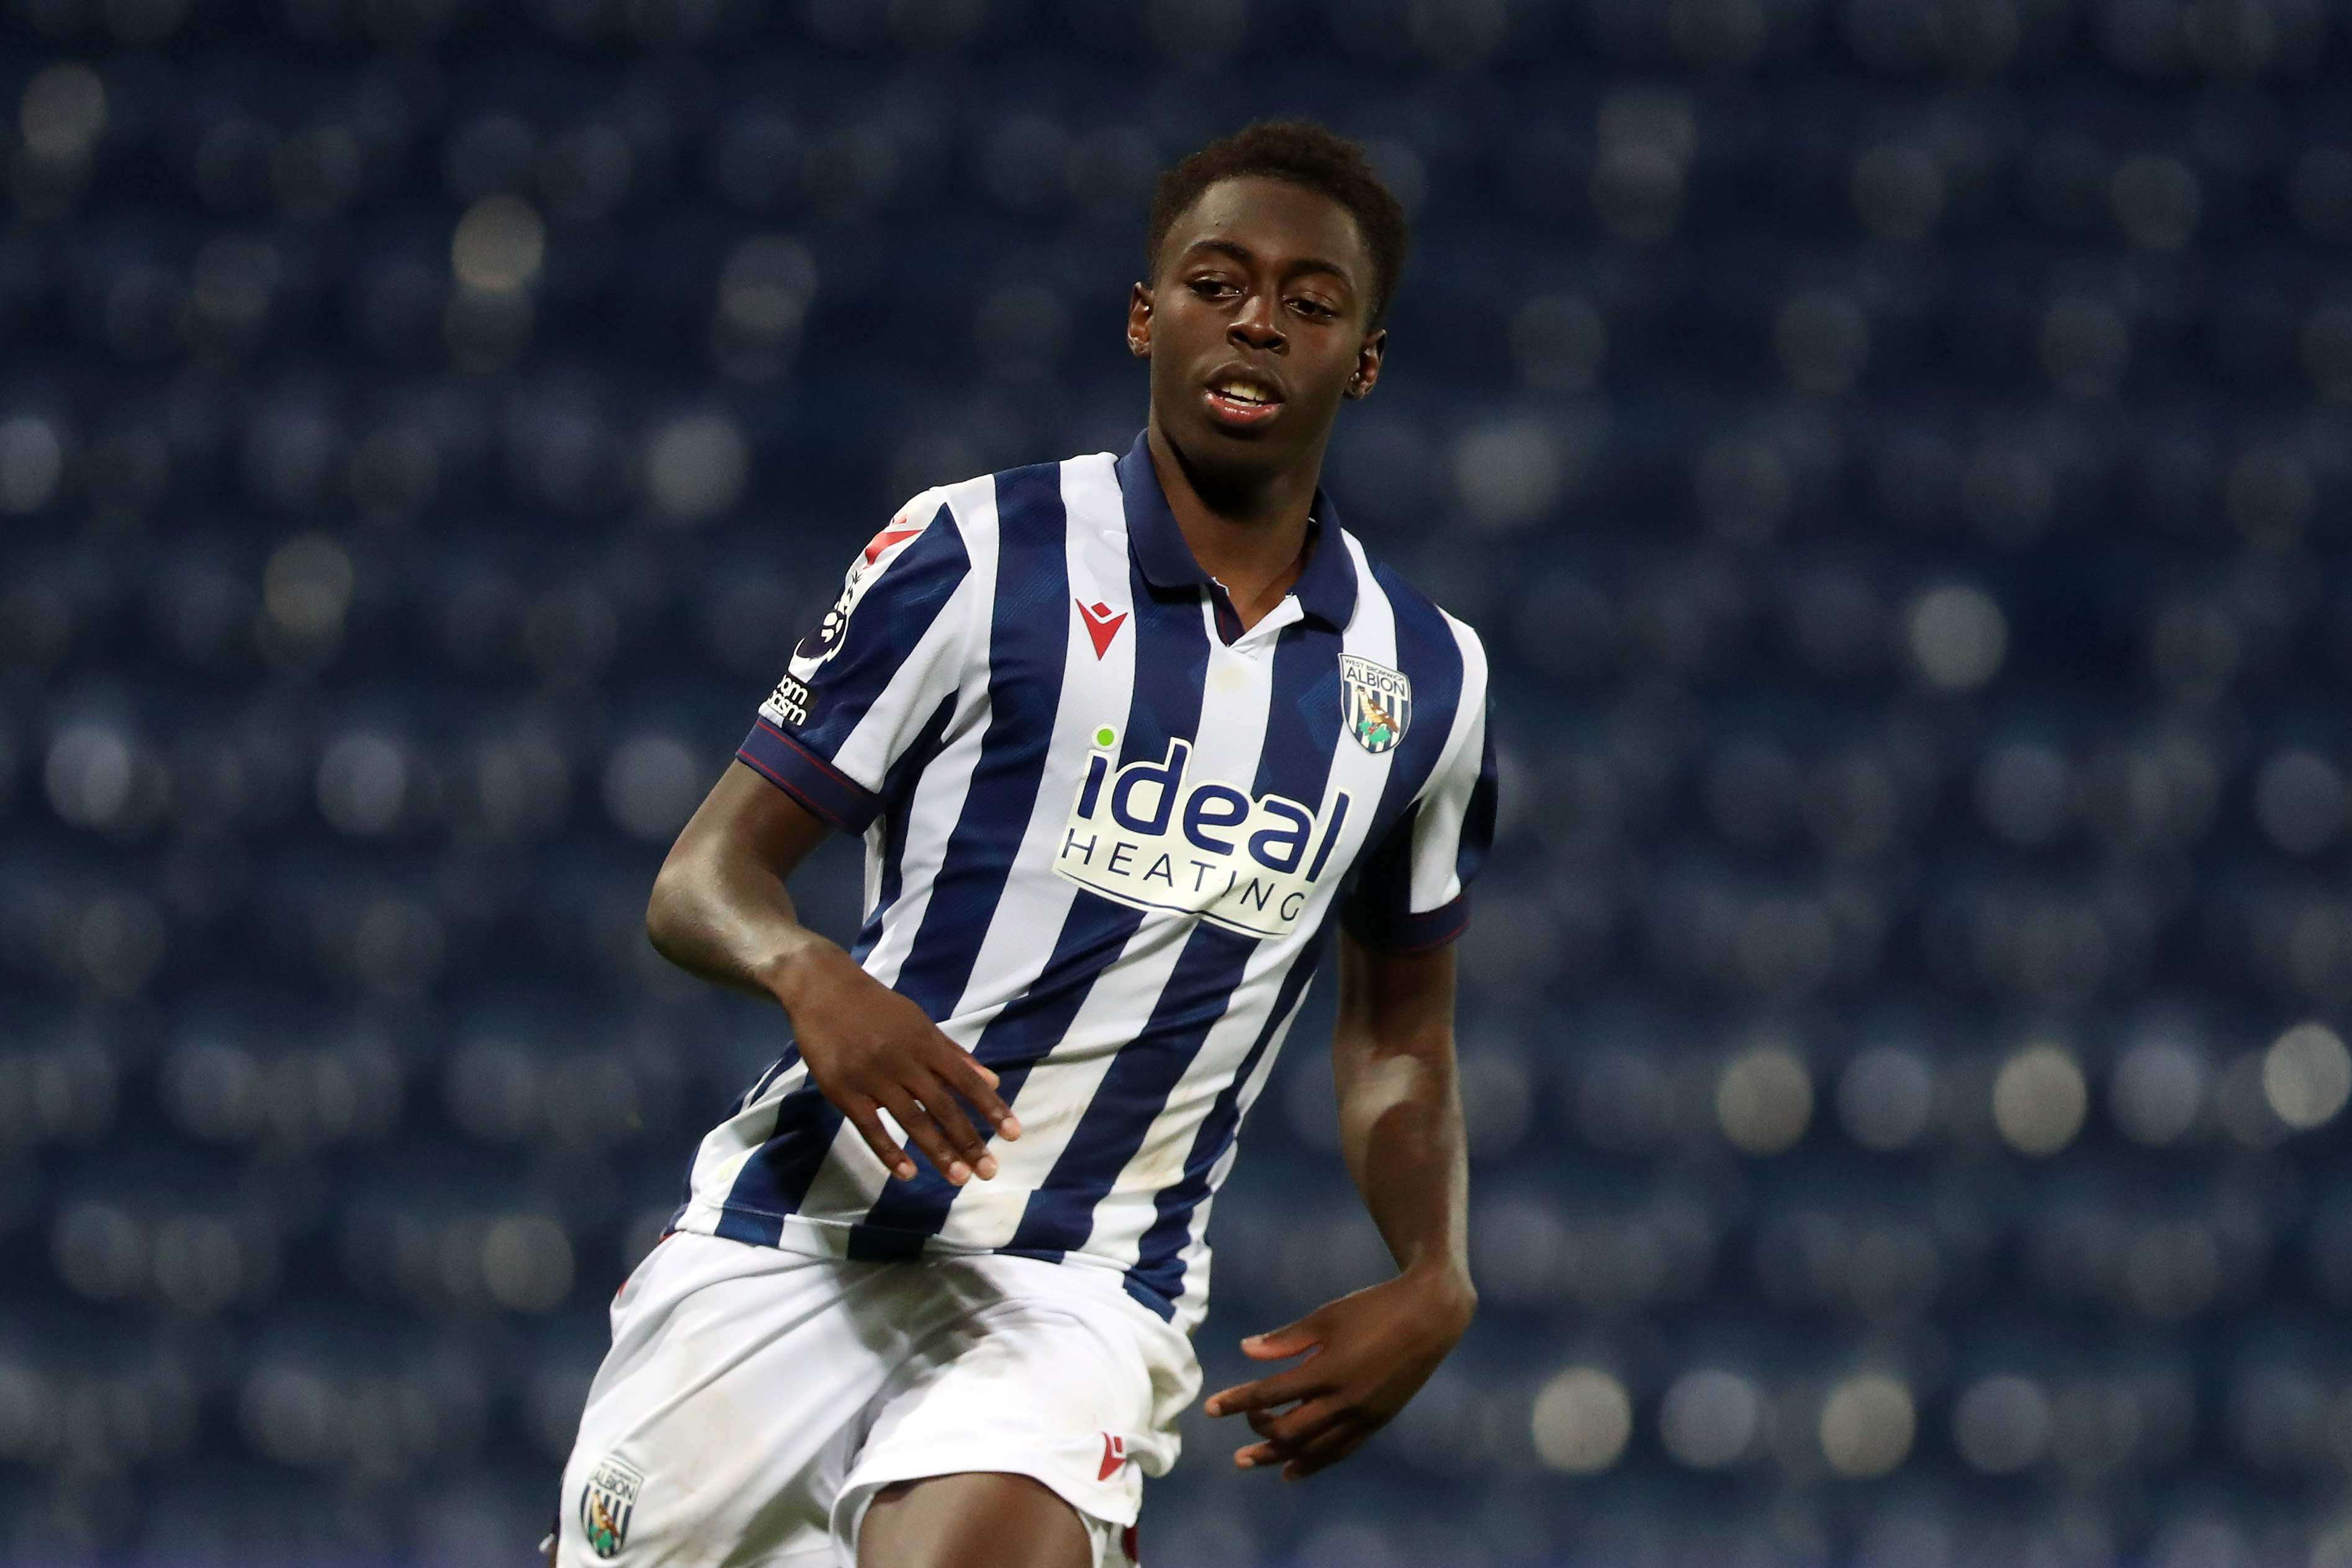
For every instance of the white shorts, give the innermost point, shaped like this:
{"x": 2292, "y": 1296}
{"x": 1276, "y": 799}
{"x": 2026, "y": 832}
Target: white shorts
{"x": 754, "y": 1400}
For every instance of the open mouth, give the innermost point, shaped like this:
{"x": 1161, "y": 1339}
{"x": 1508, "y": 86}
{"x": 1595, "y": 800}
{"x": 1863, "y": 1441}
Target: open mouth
{"x": 1239, "y": 400}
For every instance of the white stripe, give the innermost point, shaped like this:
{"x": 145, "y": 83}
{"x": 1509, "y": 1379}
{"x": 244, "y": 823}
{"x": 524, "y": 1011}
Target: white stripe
{"x": 1054, "y": 1100}
{"x": 930, "y": 673}
{"x": 1094, "y": 693}
{"x": 1129, "y": 1210}
{"x": 1192, "y": 1305}
{"x": 727, "y": 1147}
{"x": 851, "y": 1176}
{"x": 1445, "y": 797}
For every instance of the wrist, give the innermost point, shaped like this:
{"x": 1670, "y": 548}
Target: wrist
{"x": 793, "y": 968}
{"x": 1444, "y": 1285}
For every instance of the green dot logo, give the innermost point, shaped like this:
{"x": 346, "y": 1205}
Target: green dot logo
{"x": 1104, "y": 737}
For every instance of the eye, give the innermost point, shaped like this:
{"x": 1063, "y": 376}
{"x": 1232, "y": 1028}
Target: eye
{"x": 1214, "y": 287}
{"x": 1316, "y": 308}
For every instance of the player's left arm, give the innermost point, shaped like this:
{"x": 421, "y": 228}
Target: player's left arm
{"x": 1400, "y": 1130}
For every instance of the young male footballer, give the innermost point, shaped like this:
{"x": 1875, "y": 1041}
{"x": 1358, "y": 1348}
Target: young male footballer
{"x": 1126, "y": 737}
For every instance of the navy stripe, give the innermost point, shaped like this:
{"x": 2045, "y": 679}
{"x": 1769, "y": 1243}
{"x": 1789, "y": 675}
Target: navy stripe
{"x": 1303, "y": 724}
{"x": 1171, "y": 670}
{"x": 774, "y": 1181}
{"x": 759, "y": 1086}
{"x": 897, "y": 812}
{"x": 1160, "y": 1257}
{"x": 1172, "y": 667}
{"x": 1304, "y": 721}
{"x": 1425, "y": 645}
{"x": 1294, "y": 761}
{"x": 1028, "y": 639}
{"x": 1028, "y": 642}
{"x": 1381, "y": 901}
{"x": 1478, "y": 817}
{"x": 1061, "y": 1212}
{"x": 890, "y": 620}
{"x": 1094, "y": 933}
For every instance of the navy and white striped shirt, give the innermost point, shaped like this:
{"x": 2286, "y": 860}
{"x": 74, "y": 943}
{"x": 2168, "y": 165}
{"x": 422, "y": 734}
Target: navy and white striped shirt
{"x": 1106, "y": 832}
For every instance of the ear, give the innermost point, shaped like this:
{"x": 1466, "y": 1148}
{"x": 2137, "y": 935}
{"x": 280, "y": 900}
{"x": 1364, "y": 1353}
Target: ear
{"x": 1367, "y": 365}
{"x": 1139, "y": 321}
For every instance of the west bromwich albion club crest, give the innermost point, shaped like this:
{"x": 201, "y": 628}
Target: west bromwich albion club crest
{"x": 607, "y": 1504}
{"x": 1375, "y": 703}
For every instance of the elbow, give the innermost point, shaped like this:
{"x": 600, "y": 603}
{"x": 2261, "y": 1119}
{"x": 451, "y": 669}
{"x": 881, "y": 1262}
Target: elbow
{"x": 664, "y": 917}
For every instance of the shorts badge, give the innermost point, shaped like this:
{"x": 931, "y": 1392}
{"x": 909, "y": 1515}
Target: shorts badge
{"x": 608, "y": 1504}
{"x": 1375, "y": 701}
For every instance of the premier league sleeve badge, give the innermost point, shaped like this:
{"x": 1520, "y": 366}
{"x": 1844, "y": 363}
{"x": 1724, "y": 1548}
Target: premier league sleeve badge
{"x": 1375, "y": 703}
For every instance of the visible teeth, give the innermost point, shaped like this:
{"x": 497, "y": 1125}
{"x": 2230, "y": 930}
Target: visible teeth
{"x": 1243, "y": 392}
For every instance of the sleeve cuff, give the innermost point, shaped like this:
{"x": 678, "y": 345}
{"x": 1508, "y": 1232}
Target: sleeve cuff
{"x": 1409, "y": 932}
{"x": 827, "y": 792}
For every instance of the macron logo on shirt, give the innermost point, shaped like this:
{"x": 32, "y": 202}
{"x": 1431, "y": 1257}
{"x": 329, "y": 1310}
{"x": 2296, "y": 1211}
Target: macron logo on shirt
{"x": 1101, "y": 624}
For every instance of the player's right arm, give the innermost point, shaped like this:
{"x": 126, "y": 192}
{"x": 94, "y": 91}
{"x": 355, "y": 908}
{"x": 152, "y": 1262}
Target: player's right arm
{"x": 858, "y": 696}
{"x": 721, "y": 910}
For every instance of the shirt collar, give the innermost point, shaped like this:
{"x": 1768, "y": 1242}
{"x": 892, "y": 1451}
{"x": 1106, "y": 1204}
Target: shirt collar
{"x": 1326, "y": 590}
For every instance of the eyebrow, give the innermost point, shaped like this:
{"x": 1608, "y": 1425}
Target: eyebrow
{"x": 1242, "y": 253}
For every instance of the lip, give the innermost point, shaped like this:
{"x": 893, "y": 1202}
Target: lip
{"x": 1233, "y": 413}
{"x": 1235, "y": 416}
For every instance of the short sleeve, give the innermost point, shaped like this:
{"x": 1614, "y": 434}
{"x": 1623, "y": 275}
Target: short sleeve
{"x": 865, "y": 682}
{"x": 1413, "y": 892}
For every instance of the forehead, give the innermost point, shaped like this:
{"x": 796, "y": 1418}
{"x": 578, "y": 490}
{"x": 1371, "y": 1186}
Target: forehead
{"x": 1275, "y": 220}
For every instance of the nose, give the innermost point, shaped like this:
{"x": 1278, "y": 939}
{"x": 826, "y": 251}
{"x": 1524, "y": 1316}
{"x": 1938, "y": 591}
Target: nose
{"x": 1258, "y": 325}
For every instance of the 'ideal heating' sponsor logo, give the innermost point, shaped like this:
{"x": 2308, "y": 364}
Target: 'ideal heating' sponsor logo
{"x": 1146, "y": 835}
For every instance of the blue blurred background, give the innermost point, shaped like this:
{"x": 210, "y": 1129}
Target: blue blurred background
{"x": 1898, "y": 453}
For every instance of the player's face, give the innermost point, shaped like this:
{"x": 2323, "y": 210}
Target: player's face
{"x": 1259, "y": 326}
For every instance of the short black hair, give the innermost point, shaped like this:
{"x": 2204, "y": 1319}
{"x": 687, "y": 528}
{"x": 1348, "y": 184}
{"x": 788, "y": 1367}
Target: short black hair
{"x": 1303, "y": 153}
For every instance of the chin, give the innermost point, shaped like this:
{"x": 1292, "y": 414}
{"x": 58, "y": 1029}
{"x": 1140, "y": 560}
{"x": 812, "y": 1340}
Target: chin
{"x": 1231, "y": 455}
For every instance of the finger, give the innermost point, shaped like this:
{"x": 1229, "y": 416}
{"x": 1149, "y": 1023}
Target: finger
{"x": 925, "y": 1135}
{"x": 1273, "y": 1425}
{"x": 1295, "y": 1428}
{"x": 1303, "y": 1436}
{"x": 1297, "y": 1463}
{"x": 869, "y": 1127}
{"x": 1342, "y": 1439}
{"x": 947, "y": 1112}
{"x": 970, "y": 1077}
{"x": 1300, "y": 1382}
{"x": 1277, "y": 1344}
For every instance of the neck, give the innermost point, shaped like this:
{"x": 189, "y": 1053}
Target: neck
{"x": 1248, "y": 533}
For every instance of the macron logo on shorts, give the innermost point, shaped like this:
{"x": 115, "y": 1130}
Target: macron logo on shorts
{"x": 1114, "y": 1456}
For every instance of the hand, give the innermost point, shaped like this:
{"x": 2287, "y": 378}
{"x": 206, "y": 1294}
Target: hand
{"x": 1373, "y": 1351}
{"x": 870, "y": 1049}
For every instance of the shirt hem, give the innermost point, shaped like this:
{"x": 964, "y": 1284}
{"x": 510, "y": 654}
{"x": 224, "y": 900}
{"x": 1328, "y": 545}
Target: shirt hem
{"x": 1423, "y": 933}
{"x": 856, "y": 1242}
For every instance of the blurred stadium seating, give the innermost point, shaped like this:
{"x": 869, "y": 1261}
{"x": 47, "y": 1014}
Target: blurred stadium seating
{"x": 1899, "y": 451}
